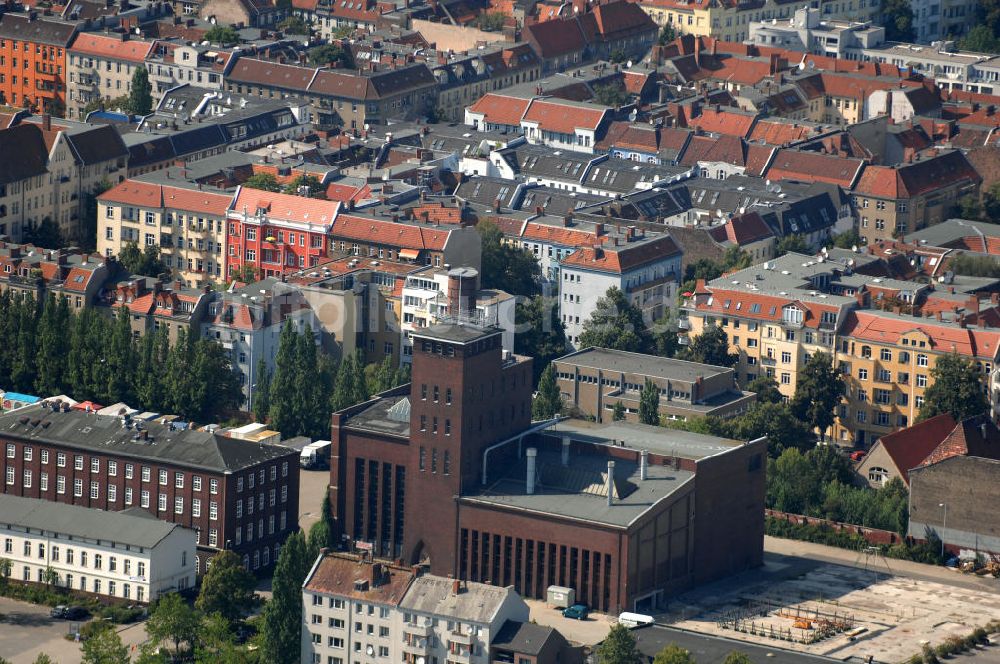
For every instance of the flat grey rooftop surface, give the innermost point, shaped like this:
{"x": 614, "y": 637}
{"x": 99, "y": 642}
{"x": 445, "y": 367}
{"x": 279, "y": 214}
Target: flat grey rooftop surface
{"x": 645, "y": 365}
{"x": 661, "y": 440}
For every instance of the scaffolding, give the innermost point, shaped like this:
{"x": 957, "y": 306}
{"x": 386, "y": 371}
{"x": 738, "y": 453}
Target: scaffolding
{"x": 809, "y": 624}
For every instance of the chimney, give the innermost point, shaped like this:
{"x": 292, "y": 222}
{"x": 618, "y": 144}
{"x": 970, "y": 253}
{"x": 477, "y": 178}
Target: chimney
{"x": 565, "y": 450}
{"x": 456, "y": 587}
{"x": 643, "y": 464}
{"x": 529, "y": 479}
{"x": 599, "y": 229}
{"x": 46, "y": 122}
{"x": 462, "y": 287}
{"x": 973, "y": 305}
{"x": 611, "y": 481}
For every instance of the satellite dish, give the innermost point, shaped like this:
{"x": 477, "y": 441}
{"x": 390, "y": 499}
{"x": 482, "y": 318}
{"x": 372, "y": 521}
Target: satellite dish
{"x": 421, "y": 659}
{"x": 628, "y": 64}
{"x": 767, "y": 182}
{"x": 633, "y": 115}
{"x": 370, "y": 650}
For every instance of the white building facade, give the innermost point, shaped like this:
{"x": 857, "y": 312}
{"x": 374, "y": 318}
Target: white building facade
{"x": 121, "y": 555}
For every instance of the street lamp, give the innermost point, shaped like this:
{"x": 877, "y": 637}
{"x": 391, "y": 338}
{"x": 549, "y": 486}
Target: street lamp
{"x": 944, "y": 525}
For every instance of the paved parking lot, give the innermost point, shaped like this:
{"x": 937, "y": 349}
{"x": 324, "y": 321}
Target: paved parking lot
{"x": 312, "y": 484}
{"x": 27, "y": 630}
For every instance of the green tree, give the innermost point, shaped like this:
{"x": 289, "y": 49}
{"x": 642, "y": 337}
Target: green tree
{"x": 217, "y": 643}
{"x": 791, "y": 482}
{"x": 616, "y": 323}
{"x": 847, "y": 239}
{"x": 312, "y": 397}
{"x": 105, "y": 647}
{"x": 350, "y": 387}
{"x": 649, "y": 403}
{"x": 777, "y": 422}
{"x": 283, "y": 412}
{"x": 618, "y": 647}
{"x": 491, "y": 21}
{"x": 88, "y": 240}
{"x": 215, "y": 386}
{"x": 332, "y": 53}
{"x": 144, "y": 262}
{"x": 766, "y": 389}
{"x": 794, "y": 243}
{"x": 610, "y": 95}
{"x": 23, "y": 369}
{"x": 140, "y": 94}
{"x": 975, "y": 266}
{"x": 618, "y": 412}
{"x": 311, "y": 182}
{"x": 262, "y": 392}
{"x": 504, "y": 267}
{"x": 120, "y": 358}
{"x": 172, "y": 619}
{"x": 319, "y": 538}
{"x": 42, "y": 658}
{"x": 540, "y": 332}
{"x": 737, "y": 657}
{"x": 263, "y": 181}
{"x": 548, "y": 403}
{"x": 897, "y": 18}
{"x": 955, "y": 389}
{"x": 222, "y": 34}
{"x": 46, "y": 234}
{"x": 667, "y": 34}
{"x": 53, "y": 346}
{"x": 818, "y": 391}
{"x": 736, "y": 258}
{"x": 673, "y": 654}
{"x": 281, "y": 621}
{"x": 980, "y": 39}
{"x": 293, "y": 25}
{"x": 227, "y": 589}
{"x": 968, "y": 207}
{"x": 711, "y": 347}
{"x": 246, "y": 273}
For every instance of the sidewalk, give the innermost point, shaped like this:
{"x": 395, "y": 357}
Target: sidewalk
{"x": 906, "y": 568}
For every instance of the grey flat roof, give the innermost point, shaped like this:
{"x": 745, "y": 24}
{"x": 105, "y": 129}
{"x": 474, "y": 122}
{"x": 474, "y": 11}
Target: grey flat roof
{"x": 584, "y": 504}
{"x": 84, "y": 522}
{"x": 661, "y": 440}
{"x": 644, "y": 365}
{"x": 456, "y": 332}
{"x": 704, "y": 648}
{"x": 106, "y": 434}
{"x": 376, "y": 418}
{"x": 477, "y": 602}
{"x": 523, "y": 637}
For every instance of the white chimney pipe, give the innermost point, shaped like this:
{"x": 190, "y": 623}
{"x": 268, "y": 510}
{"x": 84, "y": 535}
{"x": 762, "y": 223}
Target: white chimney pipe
{"x": 643, "y": 464}
{"x": 530, "y": 479}
{"x": 611, "y": 481}
{"x": 565, "y": 450}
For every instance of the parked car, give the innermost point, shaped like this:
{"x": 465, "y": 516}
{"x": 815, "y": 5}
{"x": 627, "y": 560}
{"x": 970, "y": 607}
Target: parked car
{"x": 577, "y": 612}
{"x": 68, "y": 612}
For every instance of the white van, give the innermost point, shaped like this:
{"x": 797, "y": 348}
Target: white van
{"x": 633, "y": 620}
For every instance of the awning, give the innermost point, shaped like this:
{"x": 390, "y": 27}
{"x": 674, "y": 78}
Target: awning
{"x": 409, "y": 254}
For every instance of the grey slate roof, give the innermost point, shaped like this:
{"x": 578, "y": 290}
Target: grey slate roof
{"x": 106, "y": 434}
{"x": 125, "y": 527}
{"x": 477, "y": 602}
{"x": 38, "y": 30}
{"x": 660, "y": 367}
{"x": 24, "y": 141}
{"x": 523, "y": 637}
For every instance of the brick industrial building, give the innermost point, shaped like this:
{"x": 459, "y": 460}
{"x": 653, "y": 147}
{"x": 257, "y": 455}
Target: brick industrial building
{"x": 450, "y": 472}
{"x": 237, "y": 495}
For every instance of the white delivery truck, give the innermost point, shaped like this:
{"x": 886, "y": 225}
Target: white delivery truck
{"x": 315, "y": 455}
{"x": 633, "y": 620}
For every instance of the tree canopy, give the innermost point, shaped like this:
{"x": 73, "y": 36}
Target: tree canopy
{"x": 504, "y": 267}
{"x": 263, "y": 181}
{"x": 649, "y": 403}
{"x": 172, "y": 619}
{"x": 897, "y": 18}
{"x": 616, "y": 323}
{"x": 618, "y": 647}
{"x": 710, "y": 347}
{"x": 222, "y": 34}
{"x": 540, "y": 332}
{"x": 332, "y": 53}
{"x": 282, "y": 617}
{"x": 227, "y": 589}
{"x": 955, "y": 388}
{"x": 145, "y": 262}
{"x": 673, "y": 654}
{"x": 766, "y": 389}
{"x": 818, "y": 390}
{"x": 310, "y": 182}
{"x": 791, "y": 243}
{"x": 610, "y": 95}
{"x": 548, "y": 403}
{"x": 140, "y": 95}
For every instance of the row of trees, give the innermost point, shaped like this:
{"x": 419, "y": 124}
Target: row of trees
{"x": 307, "y": 385}
{"x": 619, "y": 647}
{"x": 51, "y": 351}
{"x": 268, "y": 182}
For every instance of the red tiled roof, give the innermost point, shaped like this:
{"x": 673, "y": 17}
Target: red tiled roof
{"x": 723, "y": 121}
{"x": 967, "y": 439}
{"x": 778, "y": 133}
{"x": 743, "y": 229}
{"x": 733, "y": 302}
{"x": 564, "y": 118}
{"x": 347, "y": 193}
{"x": 623, "y": 258}
{"x": 389, "y": 233}
{"x": 103, "y": 46}
{"x": 133, "y": 192}
{"x": 501, "y": 109}
{"x": 909, "y": 447}
{"x": 917, "y": 178}
{"x": 78, "y": 279}
{"x": 814, "y": 167}
{"x": 943, "y": 337}
{"x": 286, "y": 207}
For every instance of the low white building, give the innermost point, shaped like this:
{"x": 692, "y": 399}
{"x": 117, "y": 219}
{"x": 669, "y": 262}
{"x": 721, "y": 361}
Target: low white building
{"x": 129, "y": 555}
{"x": 356, "y": 611}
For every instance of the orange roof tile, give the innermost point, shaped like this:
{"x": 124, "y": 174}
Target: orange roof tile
{"x": 724, "y": 121}
{"x": 389, "y": 233}
{"x": 620, "y": 259}
{"x": 103, "y": 46}
{"x": 551, "y": 115}
{"x": 944, "y": 337}
{"x": 501, "y": 109}
{"x": 814, "y": 167}
{"x": 778, "y": 133}
{"x": 286, "y": 207}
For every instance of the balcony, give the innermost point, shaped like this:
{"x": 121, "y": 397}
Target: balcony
{"x": 683, "y": 324}
{"x": 459, "y": 639}
{"x": 418, "y": 647}
{"x": 682, "y": 340}
{"x": 414, "y": 629}
{"x": 768, "y": 361}
{"x": 459, "y": 657}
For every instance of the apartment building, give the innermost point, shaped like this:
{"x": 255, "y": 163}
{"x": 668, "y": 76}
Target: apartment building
{"x": 80, "y": 277}
{"x": 887, "y": 358}
{"x": 596, "y": 380}
{"x": 646, "y": 269}
{"x": 156, "y": 305}
{"x": 234, "y": 494}
{"x": 892, "y": 201}
{"x": 435, "y": 294}
{"x": 33, "y": 64}
{"x": 186, "y": 223}
{"x": 101, "y": 66}
{"x": 357, "y": 610}
{"x": 776, "y": 314}
{"x": 171, "y": 64}
{"x": 274, "y": 233}
{"x": 464, "y": 78}
{"x": 114, "y": 555}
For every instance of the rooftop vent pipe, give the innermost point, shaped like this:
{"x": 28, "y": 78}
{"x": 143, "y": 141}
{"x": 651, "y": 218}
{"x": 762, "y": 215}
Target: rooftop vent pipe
{"x": 611, "y": 481}
{"x": 530, "y": 479}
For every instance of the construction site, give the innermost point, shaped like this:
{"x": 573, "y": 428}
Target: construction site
{"x": 840, "y": 611}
